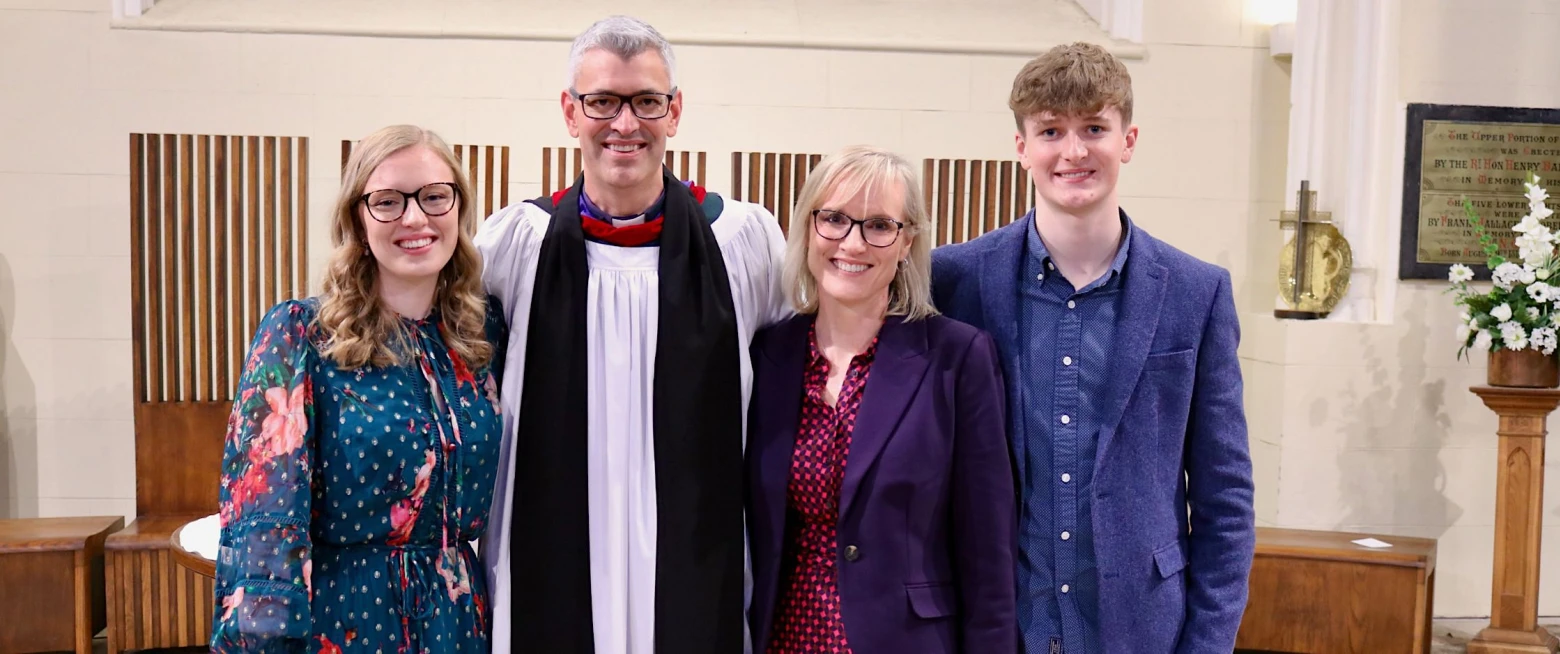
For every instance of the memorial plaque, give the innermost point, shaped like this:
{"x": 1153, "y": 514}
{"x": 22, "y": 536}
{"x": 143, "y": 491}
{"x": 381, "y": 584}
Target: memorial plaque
{"x": 1483, "y": 154}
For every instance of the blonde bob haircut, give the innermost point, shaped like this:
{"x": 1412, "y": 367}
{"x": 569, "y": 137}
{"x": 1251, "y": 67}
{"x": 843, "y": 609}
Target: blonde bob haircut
{"x": 853, "y": 170}
{"x": 358, "y": 327}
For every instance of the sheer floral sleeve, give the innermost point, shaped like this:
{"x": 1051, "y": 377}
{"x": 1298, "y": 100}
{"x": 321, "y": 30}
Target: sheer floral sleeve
{"x": 263, "y": 567}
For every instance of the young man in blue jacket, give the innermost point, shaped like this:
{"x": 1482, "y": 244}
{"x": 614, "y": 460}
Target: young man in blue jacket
{"x": 1136, "y": 525}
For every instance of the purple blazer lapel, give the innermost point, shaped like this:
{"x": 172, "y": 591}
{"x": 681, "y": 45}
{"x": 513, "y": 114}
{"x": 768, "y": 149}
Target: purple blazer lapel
{"x": 1143, "y": 293}
{"x": 893, "y": 382}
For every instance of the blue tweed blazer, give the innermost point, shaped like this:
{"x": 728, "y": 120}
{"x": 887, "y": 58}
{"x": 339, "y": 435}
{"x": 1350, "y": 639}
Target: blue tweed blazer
{"x": 1173, "y": 519}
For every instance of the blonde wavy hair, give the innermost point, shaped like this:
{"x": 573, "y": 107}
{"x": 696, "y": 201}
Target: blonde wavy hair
{"x": 358, "y": 328}
{"x": 853, "y": 170}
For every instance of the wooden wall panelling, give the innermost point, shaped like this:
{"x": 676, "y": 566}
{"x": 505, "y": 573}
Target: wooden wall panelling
{"x": 219, "y": 235}
{"x": 969, "y": 197}
{"x": 561, "y": 166}
{"x": 771, "y": 179}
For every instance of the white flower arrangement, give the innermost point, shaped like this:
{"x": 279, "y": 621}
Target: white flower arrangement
{"x": 1520, "y": 310}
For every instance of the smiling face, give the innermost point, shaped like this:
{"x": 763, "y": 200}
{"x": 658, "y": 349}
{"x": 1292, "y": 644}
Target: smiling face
{"x": 1075, "y": 160}
{"x": 413, "y": 250}
{"x": 623, "y": 153}
{"x": 851, "y": 271}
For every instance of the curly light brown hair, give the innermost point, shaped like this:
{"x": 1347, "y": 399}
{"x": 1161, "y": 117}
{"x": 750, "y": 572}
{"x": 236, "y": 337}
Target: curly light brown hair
{"x": 359, "y": 329}
{"x": 1077, "y": 79}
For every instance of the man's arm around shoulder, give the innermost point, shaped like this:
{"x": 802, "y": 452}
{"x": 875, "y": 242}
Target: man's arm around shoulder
{"x": 1219, "y": 486}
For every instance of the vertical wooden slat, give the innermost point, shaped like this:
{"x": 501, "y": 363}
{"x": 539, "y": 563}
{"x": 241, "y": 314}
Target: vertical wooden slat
{"x": 976, "y": 201}
{"x": 771, "y": 188}
{"x": 1022, "y": 198}
{"x": 1005, "y": 209}
{"x": 138, "y": 240}
{"x": 289, "y": 285}
{"x": 574, "y": 172}
{"x": 165, "y": 567}
{"x": 184, "y": 626}
{"x": 206, "y": 389}
{"x": 547, "y": 171}
{"x": 147, "y": 583}
{"x": 187, "y": 263}
{"x": 503, "y": 184}
{"x": 699, "y": 175}
{"x": 754, "y": 169}
{"x": 269, "y": 218}
{"x": 783, "y": 209}
{"x": 124, "y": 570}
{"x": 944, "y": 225}
{"x": 252, "y": 235}
{"x": 736, "y": 176}
{"x": 170, "y": 290}
{"x": 346, "y": 154}
{"x": 220, "y": 265}
{"x": 687, "y": 169}
{"x": 154, "y": 281}
{"x": 487, "y": 204}
{"x": 957, "y": 223}
{"x": 988, "y": 220}
{"x": 236, "y": 333}
{"x": 303, "y": 216}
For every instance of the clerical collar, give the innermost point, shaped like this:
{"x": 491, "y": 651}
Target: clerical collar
{"x": 588, "y": 208}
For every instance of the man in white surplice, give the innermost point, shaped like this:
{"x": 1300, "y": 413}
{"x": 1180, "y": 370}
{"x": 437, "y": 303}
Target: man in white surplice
{"x": 631, "y": 300}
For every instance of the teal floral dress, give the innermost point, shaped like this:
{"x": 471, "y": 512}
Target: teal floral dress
{"x": 350, "y": 497}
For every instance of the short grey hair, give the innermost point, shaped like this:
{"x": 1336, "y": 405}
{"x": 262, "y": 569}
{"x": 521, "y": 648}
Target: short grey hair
{"x": 624, "y": 36}
{"x": 852, "y": 170}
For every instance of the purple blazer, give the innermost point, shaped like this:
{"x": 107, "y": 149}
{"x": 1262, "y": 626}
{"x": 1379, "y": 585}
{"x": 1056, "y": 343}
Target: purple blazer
{"x": 927, "y": 508}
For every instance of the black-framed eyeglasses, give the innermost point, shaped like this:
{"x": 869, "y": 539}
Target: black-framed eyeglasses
{"x": 389, "y": 205}
{"x": 835, "y": 226}
{"x": 607, "y": 106}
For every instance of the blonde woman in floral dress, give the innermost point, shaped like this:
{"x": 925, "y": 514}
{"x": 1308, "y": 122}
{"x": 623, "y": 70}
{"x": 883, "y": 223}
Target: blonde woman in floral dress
{"x": 362, "y": 448}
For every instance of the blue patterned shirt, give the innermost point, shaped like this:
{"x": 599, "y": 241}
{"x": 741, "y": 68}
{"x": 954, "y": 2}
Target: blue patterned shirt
{"x": 1064, "y": 361}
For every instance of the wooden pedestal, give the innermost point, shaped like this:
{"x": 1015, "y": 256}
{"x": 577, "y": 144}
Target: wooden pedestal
{"x": 51, "y": 570}
{"x": 1318, "y": 592}
{"x": 1519, "y": 518}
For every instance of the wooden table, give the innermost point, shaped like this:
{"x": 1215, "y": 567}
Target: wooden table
{"x": 52, "y": 573}
{"x": 192, "y": 560}
{"x": 1317, "y": 591}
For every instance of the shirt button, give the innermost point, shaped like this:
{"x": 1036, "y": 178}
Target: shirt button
{"x": 1071, "y": 304}
{"x": 1040, "y": 277}
{"x": 1065, "y": 419}
{"x": 1066, "y": 535}
{"x": 1066, "y": 361}
{"x": 1050, "y": 266}
{"x": 851, "y": 553}
{"x": 1065, "y": 588}
{"x": 1066, "y": 477}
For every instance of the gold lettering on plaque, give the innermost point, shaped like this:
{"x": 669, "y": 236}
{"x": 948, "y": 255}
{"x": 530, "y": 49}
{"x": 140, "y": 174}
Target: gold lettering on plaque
{"x": 1487, "y": 162}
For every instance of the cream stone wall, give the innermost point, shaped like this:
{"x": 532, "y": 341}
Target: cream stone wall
{"x": 1371, "y": 427}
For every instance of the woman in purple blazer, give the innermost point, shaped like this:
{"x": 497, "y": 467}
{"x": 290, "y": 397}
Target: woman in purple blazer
{"x": 880, "y": 487}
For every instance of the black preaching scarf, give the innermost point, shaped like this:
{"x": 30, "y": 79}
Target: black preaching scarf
{"x": 697, "y": 409}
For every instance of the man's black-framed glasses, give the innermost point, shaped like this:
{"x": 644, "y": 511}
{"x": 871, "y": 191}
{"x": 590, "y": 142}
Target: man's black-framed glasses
{"x": 835, "y": 226}
{"x": 607, "y": 106}
{"x": 389, "y": 205}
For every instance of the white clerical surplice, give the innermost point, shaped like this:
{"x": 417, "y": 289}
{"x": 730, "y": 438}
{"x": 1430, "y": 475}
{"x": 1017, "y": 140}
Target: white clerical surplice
{"x": 621, "y": 318}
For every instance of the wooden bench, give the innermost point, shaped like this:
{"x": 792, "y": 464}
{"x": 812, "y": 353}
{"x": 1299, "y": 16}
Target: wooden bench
{"x": 51, "y": 570}
{"x": 1316, "y": 591}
